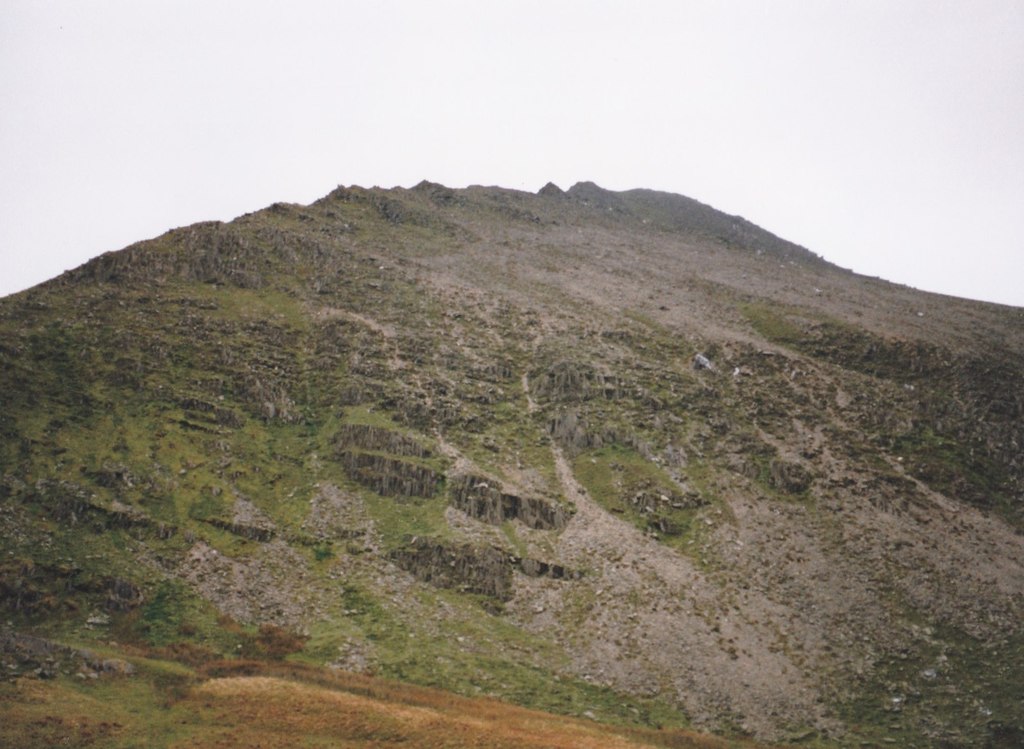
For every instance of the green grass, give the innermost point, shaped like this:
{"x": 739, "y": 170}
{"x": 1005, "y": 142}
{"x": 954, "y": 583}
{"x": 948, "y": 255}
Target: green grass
{"x": 773, "y": 324}
{"x": 966, "y": 684}
{"x": 613, "y": 475}
{"x": 478, "y": 654}
{"x": 508, "y": 530}
{"x": 952, "y": 467}
{"x": 397, "y": 519}
{"x": 508, "y": 439}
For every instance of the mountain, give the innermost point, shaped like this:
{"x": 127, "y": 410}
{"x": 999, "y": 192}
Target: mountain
{"x": 606, "y": 454}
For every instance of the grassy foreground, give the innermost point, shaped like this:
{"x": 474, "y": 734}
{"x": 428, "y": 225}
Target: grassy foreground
{"x": 248, "y": 703}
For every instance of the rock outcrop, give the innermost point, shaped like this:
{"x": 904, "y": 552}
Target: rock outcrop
{"x": 485, "y": 570}
{"x": 479, "y": 498}
{"x": 390, "y": 477}
{"x": 471, "y": 569}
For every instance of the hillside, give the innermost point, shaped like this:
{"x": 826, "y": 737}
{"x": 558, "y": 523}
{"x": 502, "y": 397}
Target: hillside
{"x": 612, "y": 455}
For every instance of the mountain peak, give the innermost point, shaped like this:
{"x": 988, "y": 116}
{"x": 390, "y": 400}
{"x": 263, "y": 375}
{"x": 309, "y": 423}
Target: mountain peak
{"x": 551, "y": 190}
{"x": 590, "y": 193}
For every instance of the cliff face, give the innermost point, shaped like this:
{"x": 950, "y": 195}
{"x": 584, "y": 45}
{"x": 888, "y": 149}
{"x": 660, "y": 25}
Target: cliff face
{"x": 615, "y": 453}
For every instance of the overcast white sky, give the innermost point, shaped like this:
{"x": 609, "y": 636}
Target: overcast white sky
{"x": 886, "y": 136}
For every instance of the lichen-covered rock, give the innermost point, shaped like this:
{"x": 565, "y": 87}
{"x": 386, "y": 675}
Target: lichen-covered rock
{"x": 365, "y": 437}
{"x": 389, "y": 477}
{"x": 791, "y": 478}
{"x": 486, "y": 570}
{"x": 479, "y": 498}
{"x": 123, "y": 595}
{"x": 471, "y": 569}
{"x": 575, "y": 381}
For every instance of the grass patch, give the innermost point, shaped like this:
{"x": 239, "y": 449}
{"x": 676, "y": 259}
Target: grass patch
{"x": 772, "y": 324}
{"x": 965, "y": 684}
{"x": 949, "y": 466}
{"x": 258, "y": 704}
{"x": 627, "y": 484}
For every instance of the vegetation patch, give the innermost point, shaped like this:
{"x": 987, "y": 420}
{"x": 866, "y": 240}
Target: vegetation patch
{"x": 243, "y": 703}
{"x": 773, "y": 324}
{"x": 953, "y": 468}
{"x": 627, "y": 484}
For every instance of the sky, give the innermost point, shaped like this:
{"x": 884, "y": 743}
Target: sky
{"x": 887, "y": 137}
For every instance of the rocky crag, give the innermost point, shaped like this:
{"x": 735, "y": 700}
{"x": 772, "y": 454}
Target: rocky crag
{"x": 612, "y": 454}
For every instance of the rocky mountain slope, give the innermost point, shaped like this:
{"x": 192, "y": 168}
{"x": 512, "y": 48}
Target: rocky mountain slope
{"x": 607, "y": 454}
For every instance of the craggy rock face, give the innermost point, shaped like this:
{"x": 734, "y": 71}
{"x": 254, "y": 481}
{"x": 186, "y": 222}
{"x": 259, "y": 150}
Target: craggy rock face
{"x": 617, "y": 450}
{"x": 475, "y": 496}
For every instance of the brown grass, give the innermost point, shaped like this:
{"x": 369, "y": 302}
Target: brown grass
{"x": 248, "y": 703}
{"x": 272, "y": 711}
